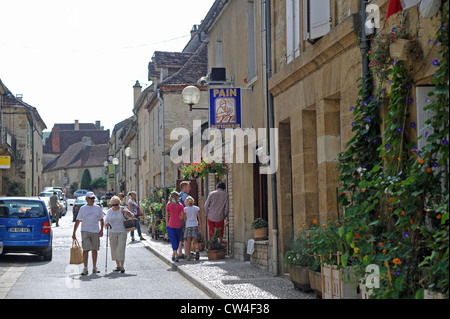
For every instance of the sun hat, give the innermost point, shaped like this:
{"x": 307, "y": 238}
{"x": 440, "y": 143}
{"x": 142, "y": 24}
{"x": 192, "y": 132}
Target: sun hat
{"x": 90, "y": 194}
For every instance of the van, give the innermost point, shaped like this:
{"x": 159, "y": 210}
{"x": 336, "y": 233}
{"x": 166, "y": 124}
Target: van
{"x": 25, "y": 226}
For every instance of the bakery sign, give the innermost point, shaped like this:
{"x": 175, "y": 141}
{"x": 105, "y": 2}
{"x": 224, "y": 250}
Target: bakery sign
{"x": 225, "y": 108}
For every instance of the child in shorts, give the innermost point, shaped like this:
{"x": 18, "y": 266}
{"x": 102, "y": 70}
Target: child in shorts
{"x": 193, "y": 225}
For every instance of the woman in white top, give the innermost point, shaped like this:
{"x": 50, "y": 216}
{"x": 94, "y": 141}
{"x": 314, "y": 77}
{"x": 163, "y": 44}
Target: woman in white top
{"x": 193, "y": 222}
{"x": 118, "y": 236}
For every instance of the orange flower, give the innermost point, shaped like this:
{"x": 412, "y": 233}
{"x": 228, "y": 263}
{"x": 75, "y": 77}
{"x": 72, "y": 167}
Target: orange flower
{"x": 420, "y": 161}
{"x": 396, "y": 261}
{"x": 380, "y": 244}
{"x": 428, "y": 170}
{"x": 314, "y": 221}
{"x": 403, "y": 212}
{"x": 391, "y": 199}
{"x": 438, "y": 216}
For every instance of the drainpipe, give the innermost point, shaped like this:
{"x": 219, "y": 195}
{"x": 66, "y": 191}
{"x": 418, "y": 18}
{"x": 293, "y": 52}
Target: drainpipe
{"x": 265, "y": 8}
{"x": 163, "y": 165}
{"x": 365, "y": 58}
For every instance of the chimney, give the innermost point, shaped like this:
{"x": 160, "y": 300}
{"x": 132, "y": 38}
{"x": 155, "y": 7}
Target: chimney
{"x": 86, "y": 141}
{"x": 55, "y": 140}
{"x": 77, "y": 125}
{"x": 137, "y": 91}
{"x": 194, "y": 30}
{"x": 97, "y": 124}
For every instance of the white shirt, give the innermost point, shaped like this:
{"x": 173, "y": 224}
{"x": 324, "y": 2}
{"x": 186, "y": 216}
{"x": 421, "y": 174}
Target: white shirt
{"x": 115, "y": 219}
{"x": 191, "y": 216}
{"x": 90, "y": 216}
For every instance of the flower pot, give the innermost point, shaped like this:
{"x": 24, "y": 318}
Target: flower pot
{"x": 260, "y": 233}
{"x": 299, "y": 275}
{"x": 398, "y": 49}
{"x": 216, "y": 254}
{"x": 315, "y": 282}
{"x": 334, "y": 285}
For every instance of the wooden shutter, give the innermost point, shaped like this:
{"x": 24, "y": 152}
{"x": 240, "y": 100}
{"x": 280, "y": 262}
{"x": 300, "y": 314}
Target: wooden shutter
{"x": 319, "y": 18}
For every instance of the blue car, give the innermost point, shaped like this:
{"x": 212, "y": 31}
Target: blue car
{"x": 25, "y": 226}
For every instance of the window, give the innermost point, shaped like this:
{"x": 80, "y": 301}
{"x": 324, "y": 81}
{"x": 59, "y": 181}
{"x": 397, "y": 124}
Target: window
{"x": 292, "y": 29}
{"x": 316, "y": 18}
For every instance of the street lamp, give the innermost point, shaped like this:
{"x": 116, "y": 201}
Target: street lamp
{"x": 191, "y": 96}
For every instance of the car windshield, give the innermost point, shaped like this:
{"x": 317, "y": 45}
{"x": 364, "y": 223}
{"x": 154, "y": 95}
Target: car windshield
{"x": 21, "y": 209}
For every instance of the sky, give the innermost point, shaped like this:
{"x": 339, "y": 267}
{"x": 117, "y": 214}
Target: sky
{"x": 79, "y": 59}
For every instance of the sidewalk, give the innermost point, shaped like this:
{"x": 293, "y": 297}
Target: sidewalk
{"x": 227, "y": 278}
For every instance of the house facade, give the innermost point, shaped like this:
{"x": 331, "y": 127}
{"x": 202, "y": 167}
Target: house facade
{"x": 21, "y": 130}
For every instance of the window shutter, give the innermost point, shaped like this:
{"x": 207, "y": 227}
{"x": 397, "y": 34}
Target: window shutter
{"x": 289, "y": 30}
{"x": 319, "y": 18}
{"x": 296, "y": 17}
{"x": 422, "y": 99}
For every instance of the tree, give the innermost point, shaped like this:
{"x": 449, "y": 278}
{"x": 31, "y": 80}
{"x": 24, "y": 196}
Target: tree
{"x": 86, "y": 179}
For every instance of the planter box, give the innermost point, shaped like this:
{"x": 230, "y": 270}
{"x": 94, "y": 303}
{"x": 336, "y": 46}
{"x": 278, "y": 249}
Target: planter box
{"x": 299, "y": 275}
{"x": 260, "y": 233}
{"x": 428, "y": 294}
{"x": 335, "y": 287}
{"x": 315, "y": 281}
{"x": 398, "y": 49}
{"x": 216, "y": 254}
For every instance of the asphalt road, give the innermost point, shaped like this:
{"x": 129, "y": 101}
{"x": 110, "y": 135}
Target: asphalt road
{"x": 28, "y": 276}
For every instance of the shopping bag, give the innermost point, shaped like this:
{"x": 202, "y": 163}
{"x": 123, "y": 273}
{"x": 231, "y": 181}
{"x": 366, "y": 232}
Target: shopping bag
{"x": 76, "y": 254}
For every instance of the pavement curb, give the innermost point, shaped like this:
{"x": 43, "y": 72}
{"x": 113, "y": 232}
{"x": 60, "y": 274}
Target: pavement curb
{"x": 194, "y": 279}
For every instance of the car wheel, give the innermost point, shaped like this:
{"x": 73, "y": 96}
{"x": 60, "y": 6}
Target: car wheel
{"x": 48, "y": 255}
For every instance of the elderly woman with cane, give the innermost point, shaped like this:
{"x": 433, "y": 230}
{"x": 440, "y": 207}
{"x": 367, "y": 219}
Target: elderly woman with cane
{"x": 115, "y": 217}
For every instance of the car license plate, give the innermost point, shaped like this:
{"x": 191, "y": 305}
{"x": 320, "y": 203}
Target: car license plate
{"x": 19, "y": 230}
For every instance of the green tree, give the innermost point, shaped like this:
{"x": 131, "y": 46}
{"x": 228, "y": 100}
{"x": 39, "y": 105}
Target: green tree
{"x": 86, "y": 179}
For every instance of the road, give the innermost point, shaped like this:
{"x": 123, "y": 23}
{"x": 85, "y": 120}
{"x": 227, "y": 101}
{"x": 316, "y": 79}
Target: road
{"x": 28, "y": 276}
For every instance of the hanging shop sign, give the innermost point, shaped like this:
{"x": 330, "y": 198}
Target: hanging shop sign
{"x": 225, "y": 108}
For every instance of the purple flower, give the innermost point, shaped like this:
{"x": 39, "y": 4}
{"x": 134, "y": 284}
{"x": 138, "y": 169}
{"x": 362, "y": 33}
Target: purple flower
{"x": 393, "y": 29}
{"x": 445, "y": 142}
{"x": 436, "y": 62}
{"x": 406, "y": 235}
{"x": 435, "y": 164}
{"x": 397, "y": 273}
{"x": 374, "y": 140}
{"x": 399, "y": 129}
{"x": 353, "y": 123}
{"x": 412, "y": 125}
{"x": 426, "y": 134}
{"x": 409, "y": 100}
{"x": 387, "y": 145}
{"x": 390, "y": 82}
{"x": 351, "y": 108}
{"x": 369, "y": 120}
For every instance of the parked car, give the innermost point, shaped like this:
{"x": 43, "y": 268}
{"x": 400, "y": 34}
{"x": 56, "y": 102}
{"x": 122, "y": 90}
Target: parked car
{"x": 25, "y": 226}
{"x": 80, "y": 202}
{"x": 80, "y": 192}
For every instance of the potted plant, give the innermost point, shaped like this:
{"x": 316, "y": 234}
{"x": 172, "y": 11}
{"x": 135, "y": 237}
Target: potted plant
{"x": 216, "y": 249}
{"x": 259, "y": 227}
{"x": 298, "y": 259}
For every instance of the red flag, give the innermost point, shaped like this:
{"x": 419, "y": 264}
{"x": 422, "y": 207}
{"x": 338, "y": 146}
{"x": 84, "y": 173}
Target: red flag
{"x": 394, "y": 6}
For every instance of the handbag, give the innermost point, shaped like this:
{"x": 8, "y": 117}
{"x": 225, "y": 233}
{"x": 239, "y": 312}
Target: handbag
{"x": 139, "y": 211}
{"x": 76, "y": 254}
{"x": 130, "y": 224}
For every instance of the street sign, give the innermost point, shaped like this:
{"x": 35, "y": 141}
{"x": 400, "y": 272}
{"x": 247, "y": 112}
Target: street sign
{"x": 225, "y": 108}
{"x": 5, "y": 162}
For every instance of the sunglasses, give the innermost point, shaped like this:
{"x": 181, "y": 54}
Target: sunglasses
{"x": 114, "y": 205}
{"x": 90, "y": 197}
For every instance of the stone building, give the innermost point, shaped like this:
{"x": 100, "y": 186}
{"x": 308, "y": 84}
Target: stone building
{"x": 21, "y": 130}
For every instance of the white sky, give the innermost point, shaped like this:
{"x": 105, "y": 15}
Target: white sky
{"x": 79, "y": 59}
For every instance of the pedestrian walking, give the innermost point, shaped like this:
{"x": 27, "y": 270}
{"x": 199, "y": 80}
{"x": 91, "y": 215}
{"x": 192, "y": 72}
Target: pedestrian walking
{"x": 184, "y": 193}
{"x": 174, "y": 215}
{"x": 115, "y": 216}
{"x": 133, "y": 207}
{"x": 216, "y": 209}
{"x": 193, "y": 222}
{"x": 90, "y": 216}
{"x": 55, "y": 206}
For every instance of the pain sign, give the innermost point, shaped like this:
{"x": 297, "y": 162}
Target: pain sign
{"x": 225, "y": 108}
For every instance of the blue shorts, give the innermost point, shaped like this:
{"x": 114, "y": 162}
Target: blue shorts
{"x": 174, "y": 236}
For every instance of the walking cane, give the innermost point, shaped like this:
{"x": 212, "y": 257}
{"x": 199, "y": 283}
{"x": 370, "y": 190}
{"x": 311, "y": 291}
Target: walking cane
{"x": 107, "y": 235}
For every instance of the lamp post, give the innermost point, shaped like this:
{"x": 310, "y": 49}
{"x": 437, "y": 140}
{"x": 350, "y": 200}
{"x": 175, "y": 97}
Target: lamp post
{"x": 191, "y": 96}
{"x": 128, "y": 154}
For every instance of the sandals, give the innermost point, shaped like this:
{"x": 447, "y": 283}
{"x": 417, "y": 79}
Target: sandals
{"x": 121, "y": 269}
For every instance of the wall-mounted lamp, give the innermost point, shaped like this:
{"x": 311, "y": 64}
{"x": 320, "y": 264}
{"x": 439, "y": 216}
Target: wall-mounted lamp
{"x": 191, "y": 96}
